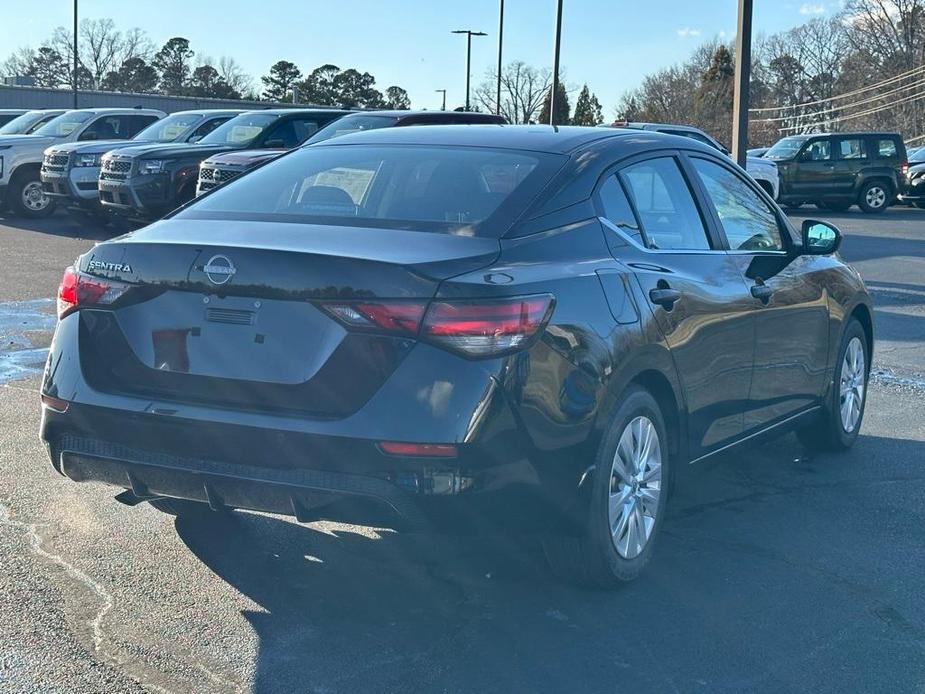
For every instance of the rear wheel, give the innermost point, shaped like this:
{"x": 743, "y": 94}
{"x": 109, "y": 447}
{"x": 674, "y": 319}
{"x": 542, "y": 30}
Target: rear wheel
{"x": 842, "y": 415}
{"x": 875, "y": 197}
{"x": 629, "y": 494}
{"x": 28, "y": 199}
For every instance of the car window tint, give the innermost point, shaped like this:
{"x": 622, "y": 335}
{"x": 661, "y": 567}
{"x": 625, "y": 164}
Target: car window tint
{"x": 820, "y": 150}
{"x": 886, "y": 148}
{"x": 106, "y": 128}
{"x": 851, "y": 148}
{"x": 209, "y": 126}
{"x": 666, "y": 208}
{"x": 617, "y": 209}
{"x": 749, "y": 222}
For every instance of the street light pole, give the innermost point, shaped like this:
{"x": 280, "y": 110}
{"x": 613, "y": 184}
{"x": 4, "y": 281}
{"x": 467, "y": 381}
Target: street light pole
{"x": 500, "y": 46}
{"x": 469, "y": 34}
{"x": 743, "y": 74}
{"x": 75, "y": 54}
{"x": 442, "y": 91}
{"x": 555, "y": 66}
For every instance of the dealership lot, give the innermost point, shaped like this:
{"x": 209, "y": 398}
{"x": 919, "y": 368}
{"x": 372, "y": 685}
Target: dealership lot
{"x": 819, "y": 561}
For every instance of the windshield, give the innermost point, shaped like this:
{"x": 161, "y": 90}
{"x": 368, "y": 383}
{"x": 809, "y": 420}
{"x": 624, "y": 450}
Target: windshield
{"x": 64, "y": 125}
{"x": 785, "y": 149}
{"x": 170, "y": 128}
{"x": 916, "y": 155}
{"x": 351, "y": 124}
{"x": 441, "y": 189}
{"x": 239, "y": 130}
{"x": 21, "y": 125}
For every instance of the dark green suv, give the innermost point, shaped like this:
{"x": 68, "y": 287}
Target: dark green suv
{"x": 835, "y": 171}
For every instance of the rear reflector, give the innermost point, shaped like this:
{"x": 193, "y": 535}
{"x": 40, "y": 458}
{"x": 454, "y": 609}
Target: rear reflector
{"x": 56, "y": 404}
{"x": 395, "y": 317}
{"x": 78, "y": 290}
{"x": 419, "y": 450}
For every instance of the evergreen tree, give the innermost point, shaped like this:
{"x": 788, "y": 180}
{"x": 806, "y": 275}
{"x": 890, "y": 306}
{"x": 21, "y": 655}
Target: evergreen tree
{"x": 279, "y": 83}
{"x": 134, "y": 75}
{"x": 173, "y": 64}
{"x": 587, "y": 109}
{"x": 48, "y": 68}
{"x": 397, "y": 98}
{"x": 561, "y": 116}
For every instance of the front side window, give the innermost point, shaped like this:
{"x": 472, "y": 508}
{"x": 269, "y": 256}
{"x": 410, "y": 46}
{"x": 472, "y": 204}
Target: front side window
{"x": 886, "y": 148}
{"x": 439, "y": 189}
{"x": 64, "y": 125}
{"x": 666, "y": 208}
{"x": 240, "y": 130}
{"x": 785, "y": 149}
{"x": 748, "y": 222}
{"x": 850, "y": 148}
{"x": 106, "y": 128}
{"x": 820, "y": 150}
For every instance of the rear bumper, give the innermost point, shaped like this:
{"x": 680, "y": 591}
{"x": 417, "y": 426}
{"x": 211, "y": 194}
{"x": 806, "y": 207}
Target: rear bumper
{"x": 317, "y": 469}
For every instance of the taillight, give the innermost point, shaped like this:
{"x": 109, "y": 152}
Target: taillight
{"x": 904, "y": 168}
{"x": 476, "y": 329}
{"x": 78, "y": 290}
{"x": 486, "y": 328}
{"x": 419, "y": 450}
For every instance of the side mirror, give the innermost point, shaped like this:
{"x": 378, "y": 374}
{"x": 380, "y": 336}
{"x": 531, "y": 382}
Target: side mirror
{"x": 274, "y": 144}
{"x": 820, "y": 238}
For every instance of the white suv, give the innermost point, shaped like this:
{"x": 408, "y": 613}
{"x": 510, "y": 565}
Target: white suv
{"x": 764, "y": 171}
{"x": 21, "y": 155}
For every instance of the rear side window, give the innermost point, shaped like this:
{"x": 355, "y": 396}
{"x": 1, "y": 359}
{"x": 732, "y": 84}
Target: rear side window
{"x": 617, "y": 209}
{"x": 457, "y": 190}
{"x": 850, "y": 148}
{"x": 886, "y": 147}
{"x": 665, "y": 206}
{"x": 209, "y": 126}
{"x": 748, "y": 222}
{"x": 138, "y": 123}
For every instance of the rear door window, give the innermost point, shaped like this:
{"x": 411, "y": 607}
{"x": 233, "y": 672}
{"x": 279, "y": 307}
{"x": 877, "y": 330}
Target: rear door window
{"x": 136, "y": 124}
{"x": 665, "y": 206}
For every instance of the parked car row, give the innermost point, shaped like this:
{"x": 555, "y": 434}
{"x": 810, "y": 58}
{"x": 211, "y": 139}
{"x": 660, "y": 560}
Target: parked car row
{"x": 141, "y": 163}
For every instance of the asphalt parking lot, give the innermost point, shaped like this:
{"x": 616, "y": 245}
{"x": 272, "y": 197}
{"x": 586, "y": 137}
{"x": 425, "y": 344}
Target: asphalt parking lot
{"x": 777, "y": 572}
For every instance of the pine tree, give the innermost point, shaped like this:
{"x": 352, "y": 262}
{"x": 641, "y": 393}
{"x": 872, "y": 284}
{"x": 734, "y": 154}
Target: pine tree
{"x": 173, "y": 64}
{"x": 279, "y": 83}
{"x": 561, "y": 116}
{"x": 587, "y": 109}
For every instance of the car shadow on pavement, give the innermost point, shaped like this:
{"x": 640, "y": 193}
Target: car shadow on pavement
{"x": 352, "y": 610}
{"x": 75, "y": 226}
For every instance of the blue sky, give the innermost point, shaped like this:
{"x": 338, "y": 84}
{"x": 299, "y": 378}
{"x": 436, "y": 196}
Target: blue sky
{"x": 610, "y": 44}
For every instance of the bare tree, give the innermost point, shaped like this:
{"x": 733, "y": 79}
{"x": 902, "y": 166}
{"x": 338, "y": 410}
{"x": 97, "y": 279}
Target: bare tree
{"x": 234, "y": 76}
{"x": 523, "y": 89}
{"x": 17, "y": 64}
{"x": 101, "y": 47}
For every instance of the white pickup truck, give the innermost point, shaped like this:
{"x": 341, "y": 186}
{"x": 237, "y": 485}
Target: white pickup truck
{"x": 21, "y": 155}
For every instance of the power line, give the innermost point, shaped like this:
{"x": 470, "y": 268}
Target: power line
{"x": 852, "y": 116}
{"x": 906, "y": 87}
{"x": 876, "y": 85}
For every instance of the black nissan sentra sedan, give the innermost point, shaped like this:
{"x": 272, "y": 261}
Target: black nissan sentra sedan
{"x": 464, "y": 327}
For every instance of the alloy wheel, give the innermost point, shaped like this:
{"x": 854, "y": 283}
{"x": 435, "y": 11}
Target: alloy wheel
{"x": 875, "y": 197}
{"x": 635, "y": 487}
{"x": 34, "y": 198}
{"x": 852, "y": 385}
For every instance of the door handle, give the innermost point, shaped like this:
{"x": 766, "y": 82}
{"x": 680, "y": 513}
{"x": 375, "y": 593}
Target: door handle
{"x": 664, "y": 297}
{"x": 763, "y": 292}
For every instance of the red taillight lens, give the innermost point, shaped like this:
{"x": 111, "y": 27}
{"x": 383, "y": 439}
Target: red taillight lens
{"x": 486, "y": 328}
{"x": 395, "y": 317}
{"x": 419, "y": 450}
{"x": 904, "y": 168}
{"x": 78, "y": 290}
{"x": 476, "y": 329}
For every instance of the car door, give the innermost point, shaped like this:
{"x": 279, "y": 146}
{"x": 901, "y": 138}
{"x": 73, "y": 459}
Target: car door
{"x": 813, "y": 169}
{"x": 787, "y": 298}
{"x": 695, "y": 289}
{"x": 850, "y": 157}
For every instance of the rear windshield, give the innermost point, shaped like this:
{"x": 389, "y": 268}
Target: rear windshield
{"x": 170, "y": 128}
{"x": 470, "y": 191}
{"x": 64, "y": 125}
{"x": 917, "y": 155}
{"x": 240, "y": 130}
{"x": 351, "y": 124}
{"x": 785, "y": 149}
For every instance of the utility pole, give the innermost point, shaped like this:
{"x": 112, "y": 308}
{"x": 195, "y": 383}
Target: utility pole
{"x": 555, "y": 66}
{"x": 743, "y": 75}
{"x": 442, "y": 91}
{"x": 469, "y": 34}
{"x": 75, "y": 54}
{"x": 500, "y": 46}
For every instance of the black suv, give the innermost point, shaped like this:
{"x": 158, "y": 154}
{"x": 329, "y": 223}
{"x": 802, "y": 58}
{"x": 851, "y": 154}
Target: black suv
{"x": 149, "y": 180}
{"x": 835, "y": 171}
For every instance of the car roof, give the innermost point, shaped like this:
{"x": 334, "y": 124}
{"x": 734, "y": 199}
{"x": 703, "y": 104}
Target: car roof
{"x": 293, "y": 111}
{"x": 8, "y": 111}
{"x": 848, "y": 134}
{"x": 537, "y": 138}
{"x": 210, "y": 111}
{"x": 436, "y": 115}
{"x": 114, "y": 109}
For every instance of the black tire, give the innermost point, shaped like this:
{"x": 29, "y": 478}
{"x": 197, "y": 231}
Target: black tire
{"x": 23, "y": 199}
{"x": 875, "y": 196}
{"x": 592, "y": 558}
{"x": 828, "y": 432}
{"x": 182, "y": 508}
{"x": 835, "y": 206}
